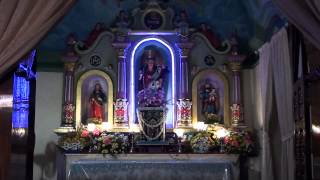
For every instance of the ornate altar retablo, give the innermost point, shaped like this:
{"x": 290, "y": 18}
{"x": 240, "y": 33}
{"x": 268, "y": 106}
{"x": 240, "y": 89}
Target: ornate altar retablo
{"x": 152, "y": 123}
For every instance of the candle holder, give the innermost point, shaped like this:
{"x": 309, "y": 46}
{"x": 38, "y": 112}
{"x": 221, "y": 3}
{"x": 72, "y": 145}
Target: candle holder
{"x": 179, "y": 133}
{"x": 222, "y": 145}
{"x": 179, "y": 145}
{"x": 132, "y": 142}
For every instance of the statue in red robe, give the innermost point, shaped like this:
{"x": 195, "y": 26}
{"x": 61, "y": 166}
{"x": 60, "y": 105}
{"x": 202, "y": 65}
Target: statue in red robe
{"x": 97, "y": 101}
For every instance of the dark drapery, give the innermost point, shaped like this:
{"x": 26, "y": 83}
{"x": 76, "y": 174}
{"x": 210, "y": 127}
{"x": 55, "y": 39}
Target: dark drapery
{"x": 23, "y": 24}
{"x": 305, "y": 15}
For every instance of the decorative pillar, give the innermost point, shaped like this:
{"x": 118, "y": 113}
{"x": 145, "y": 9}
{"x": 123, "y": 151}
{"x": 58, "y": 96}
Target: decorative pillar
{"x": 68, "y": 123}
{"x": 121, "y": 104}
{"x": 184, "y": 118}
{"x": 235, "y": 65}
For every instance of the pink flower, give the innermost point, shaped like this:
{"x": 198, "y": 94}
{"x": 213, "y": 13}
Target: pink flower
{"x": 226, "y": 140}
{"x": 85, "y": 133}
{"x": 235, "y": 143}
{"x": 96, "y": 132}
{"x": 248, "y": 141}
{"x": 107, "y": 140}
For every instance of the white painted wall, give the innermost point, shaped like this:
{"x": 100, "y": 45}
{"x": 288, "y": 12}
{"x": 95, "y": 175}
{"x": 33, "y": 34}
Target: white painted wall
{"x": 251, "y": 117}
{"x": 47, "y": 118}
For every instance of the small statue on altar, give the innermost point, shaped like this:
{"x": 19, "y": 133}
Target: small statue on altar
{"x": 234, "y": 44}
{"x": 97, "y": 101}
{"x": 122, "y": 23}
{"x": 122, "y": 20}
{"x": 71, "y": 40}
{"x": 181, "y": 22}
{"x": 209, "y": 102}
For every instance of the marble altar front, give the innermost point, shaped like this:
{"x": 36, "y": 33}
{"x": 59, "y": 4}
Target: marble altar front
{"x": 148, "y": 166}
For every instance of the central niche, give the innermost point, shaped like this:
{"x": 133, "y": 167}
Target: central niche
{"x": 153, "y": 78}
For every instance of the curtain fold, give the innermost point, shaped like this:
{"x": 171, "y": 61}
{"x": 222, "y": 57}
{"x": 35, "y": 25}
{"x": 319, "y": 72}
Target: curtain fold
{"x": 264, "y": 108}
{"x": 274, "y": 70}
{"x": 283, "y": 85}
{"x": 305, "y": 15}
{"x": 23, "y": 24}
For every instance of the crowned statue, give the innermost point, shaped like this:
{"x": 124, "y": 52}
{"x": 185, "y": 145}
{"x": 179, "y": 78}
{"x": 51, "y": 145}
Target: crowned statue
{"x": 152, "y": 95}
{"x": 152, "y": 79}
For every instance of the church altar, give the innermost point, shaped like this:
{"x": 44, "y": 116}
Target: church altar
{"x": 152, "y": 83}
{"x": 148, "y": 166}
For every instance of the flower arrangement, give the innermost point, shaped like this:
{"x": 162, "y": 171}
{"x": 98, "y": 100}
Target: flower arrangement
{"x": 112, "y": 143}
{"x": 239, "y": 142}
{"x": 219, "y": 139}
{"x": 73, "y": 141}
{"x": 151, "y": 98}
{"x": 203, "y": 142}
{"x": 212, "y": 118}
{"x": 96, "y": 141}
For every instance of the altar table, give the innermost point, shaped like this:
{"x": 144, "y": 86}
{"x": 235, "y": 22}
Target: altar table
{"x": 149, "y": 167}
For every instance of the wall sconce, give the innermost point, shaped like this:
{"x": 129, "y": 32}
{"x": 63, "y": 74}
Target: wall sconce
{"x": 221, "y": 133}
{"x": 91, "y": 127}
{"x": 19, "y": 132}
{"x": 6, "y": 101}
{"x": 315, "y": 129}
{"x": 201, "y": 126}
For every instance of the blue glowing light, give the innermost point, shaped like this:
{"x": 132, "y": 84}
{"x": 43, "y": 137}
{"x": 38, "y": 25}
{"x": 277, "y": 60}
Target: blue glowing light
{"x": 132, "y": 73}
{"x": 21, "y": 92}
{"x": 146, "y": 33}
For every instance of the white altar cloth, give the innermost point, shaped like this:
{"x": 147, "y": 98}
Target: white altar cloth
{"x": 150, "y": 166}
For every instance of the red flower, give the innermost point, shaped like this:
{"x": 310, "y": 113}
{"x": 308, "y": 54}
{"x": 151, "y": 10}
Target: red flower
{"x": 226, "y": 140}
{"x": 120, "y": 112}
{"x": 235, "y": 143}
{"x": 85, "y": 133}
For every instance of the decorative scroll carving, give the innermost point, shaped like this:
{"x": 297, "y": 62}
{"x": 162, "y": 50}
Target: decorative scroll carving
{"x": 77, "y": 45}
{"x": 225, "y": 43}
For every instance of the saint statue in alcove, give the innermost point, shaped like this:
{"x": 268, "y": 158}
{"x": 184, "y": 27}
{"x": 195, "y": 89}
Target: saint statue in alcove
{"x": 97, "y": 100}
{"x": 209, "y": 103}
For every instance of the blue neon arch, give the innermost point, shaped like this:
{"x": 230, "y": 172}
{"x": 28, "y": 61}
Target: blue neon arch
{"x": 133, "y": 72}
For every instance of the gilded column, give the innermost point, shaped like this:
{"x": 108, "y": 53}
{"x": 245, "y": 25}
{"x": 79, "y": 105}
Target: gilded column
{"x": 68, "y": 106}
{"x": 235, "y": 65}
{"x": 121, "y": 104}
{"x": 184, "y": 104}
{"x": 68, "y": 100}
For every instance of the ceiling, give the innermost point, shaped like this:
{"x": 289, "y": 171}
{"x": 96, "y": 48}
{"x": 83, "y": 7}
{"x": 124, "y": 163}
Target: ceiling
{"x": 254, "y": 20}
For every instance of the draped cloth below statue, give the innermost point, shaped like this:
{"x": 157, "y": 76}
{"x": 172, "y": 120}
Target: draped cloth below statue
{"x": 159, "y": 166}
{"x": 152, "y": 123}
